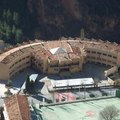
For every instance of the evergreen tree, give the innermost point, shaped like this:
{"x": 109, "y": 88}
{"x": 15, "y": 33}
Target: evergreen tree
{"x": 15, "y": 18}
{"x": 13, "y": 29}
{"x": 31, "y": 84}
{"x": 18, "y": 35}
{"x": 1, "y": 26}
{"x": 9, "y": 28}
{"x": 1, "y": 34}
{"x": 4, "y": 14}
{"x": 82, "y": 34}
{"x": 27, "y": 84}
{"x": 4, "y": 27}
{"x": 8, "y": 16}
{"x": 8, "y": 32}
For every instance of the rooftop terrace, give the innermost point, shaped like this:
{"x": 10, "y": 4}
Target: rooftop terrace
{"x": 11, "y": 54}
{"x": 70, "y": 45}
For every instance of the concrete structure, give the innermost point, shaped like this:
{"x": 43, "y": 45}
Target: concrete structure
{"x": 111, "y": 71}
{"x": 58, "y": 57}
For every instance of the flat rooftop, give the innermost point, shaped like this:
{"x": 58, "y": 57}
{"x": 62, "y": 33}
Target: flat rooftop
{"x": 87, "y": 110}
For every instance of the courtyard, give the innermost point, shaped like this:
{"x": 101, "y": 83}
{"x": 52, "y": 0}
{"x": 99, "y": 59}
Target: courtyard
{"x": 93, "y": 70}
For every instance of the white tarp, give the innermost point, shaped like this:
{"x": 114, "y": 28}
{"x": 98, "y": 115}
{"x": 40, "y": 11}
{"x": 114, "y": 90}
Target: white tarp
{"x": 72, "y": 82}
{"x": 57, "y": 50}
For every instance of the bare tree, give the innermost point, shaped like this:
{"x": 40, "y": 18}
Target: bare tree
{"x": 109, "y": 113}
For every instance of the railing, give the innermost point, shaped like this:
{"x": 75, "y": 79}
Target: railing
{"x": 75, "y": 101}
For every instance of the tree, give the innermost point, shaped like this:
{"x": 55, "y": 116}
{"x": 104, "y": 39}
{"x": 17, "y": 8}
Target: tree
{"x": 1, "y": 113}
{"x": 8, "y": 93}
{"x": 82, "y": 34}
{"x": 31, "y": 84}
{"x": 9, "y": 83}
{"x": 15, "y": 18}
{"x": 18, "y": 35}
{"x": 13, "y": 29}
{"x": 27, "y": 84}
{"x": 8, "y": 15}
{"x": 5, "y": 25}
{"x": 8, "y": 32}
{"x": 8, "y": 86}
{"x": 109, "y": 113}
{"x": 10, "y": 29}
{"x": 4, "y": 14}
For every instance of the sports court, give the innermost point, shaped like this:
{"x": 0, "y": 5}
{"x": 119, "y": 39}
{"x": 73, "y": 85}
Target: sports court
{"x": 87, "y": 110}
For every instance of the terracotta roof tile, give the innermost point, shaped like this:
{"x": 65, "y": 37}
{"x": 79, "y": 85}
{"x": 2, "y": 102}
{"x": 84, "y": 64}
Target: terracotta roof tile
{"x": 17, "y": 107}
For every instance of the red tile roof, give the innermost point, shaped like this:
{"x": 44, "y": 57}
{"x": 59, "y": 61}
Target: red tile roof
{"x": 17, "y": 107}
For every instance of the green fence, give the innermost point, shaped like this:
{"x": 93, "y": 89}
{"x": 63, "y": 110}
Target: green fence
{"x": 118, "y": 93}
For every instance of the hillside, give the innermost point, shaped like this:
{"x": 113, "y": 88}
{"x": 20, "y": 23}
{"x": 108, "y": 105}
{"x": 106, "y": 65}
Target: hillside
{"x": 52, "y": 19}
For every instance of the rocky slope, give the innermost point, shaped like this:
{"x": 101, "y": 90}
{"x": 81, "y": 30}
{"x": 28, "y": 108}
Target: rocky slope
{"x": 51, "y": 19}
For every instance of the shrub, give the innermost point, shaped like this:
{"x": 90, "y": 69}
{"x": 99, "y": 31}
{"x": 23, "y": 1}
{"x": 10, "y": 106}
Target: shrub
{"x": 8, "y": 93}
{"x": 24, "y": 91}
{"x": 9, "y": 83}
{"x": 92, "y": 95}
{"x": 104, "y": 94}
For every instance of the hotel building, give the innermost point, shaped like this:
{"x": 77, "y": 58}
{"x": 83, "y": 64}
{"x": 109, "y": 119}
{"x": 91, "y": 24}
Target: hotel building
{"x": 58, "y": 57}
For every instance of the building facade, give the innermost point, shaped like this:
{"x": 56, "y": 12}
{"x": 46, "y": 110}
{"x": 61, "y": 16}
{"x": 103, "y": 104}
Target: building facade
{"x": 58, "y": 57}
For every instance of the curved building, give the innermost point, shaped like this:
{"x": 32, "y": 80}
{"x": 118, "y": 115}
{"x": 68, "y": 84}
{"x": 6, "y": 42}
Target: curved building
{"x": 58, "y": 57}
